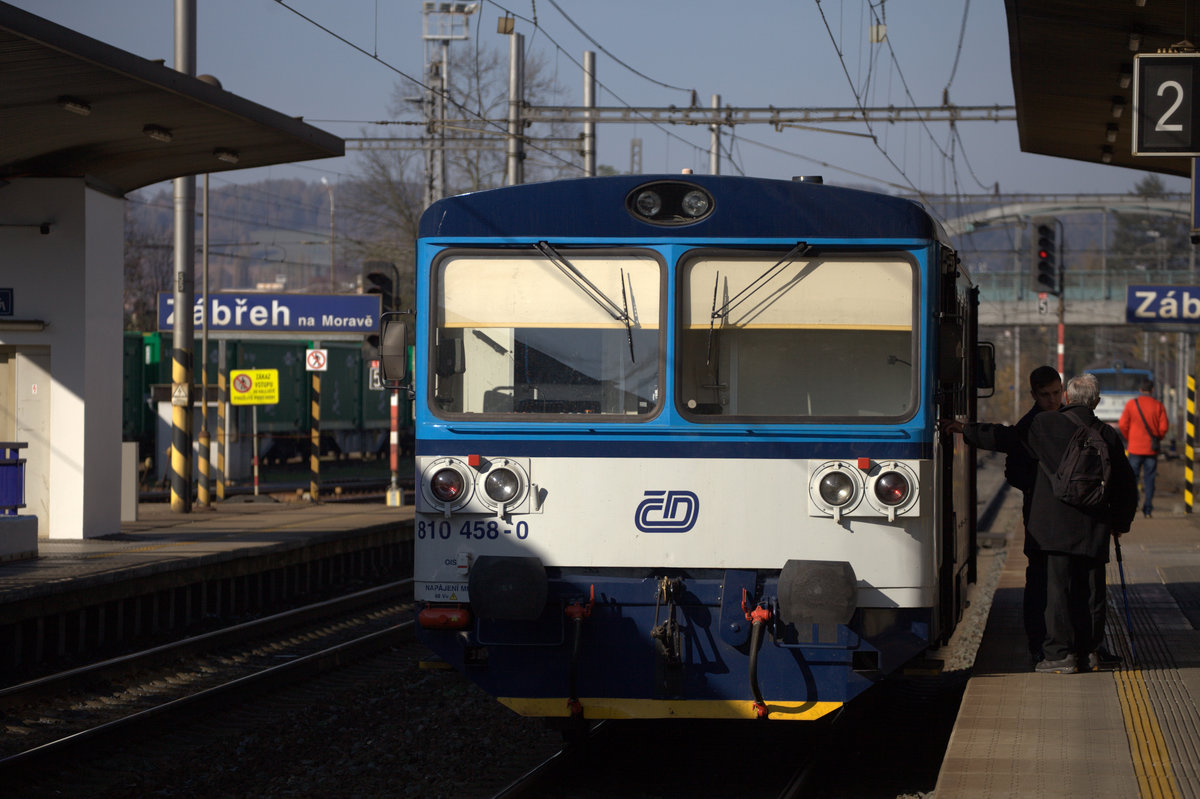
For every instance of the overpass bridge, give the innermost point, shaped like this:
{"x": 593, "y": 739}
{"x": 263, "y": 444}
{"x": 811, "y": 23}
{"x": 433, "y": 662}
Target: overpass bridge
{"x": 1094, "y": 296}
{"x": 1090, "y": 297}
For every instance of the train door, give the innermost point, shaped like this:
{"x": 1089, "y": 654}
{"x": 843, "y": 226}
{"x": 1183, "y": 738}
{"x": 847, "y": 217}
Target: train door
{"x": 956, "y": 381}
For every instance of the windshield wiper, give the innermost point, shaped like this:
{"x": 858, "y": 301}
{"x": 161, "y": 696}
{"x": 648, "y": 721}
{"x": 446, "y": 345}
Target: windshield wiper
{"x": 591, "y": 290}
{"x": 713, "y": 318}
{"x": 723, "y": 312}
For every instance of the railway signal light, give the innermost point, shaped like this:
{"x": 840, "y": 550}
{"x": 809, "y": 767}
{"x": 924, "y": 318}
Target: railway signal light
{"x": 1046, "y": 268}
{"x": 382, "y": 278}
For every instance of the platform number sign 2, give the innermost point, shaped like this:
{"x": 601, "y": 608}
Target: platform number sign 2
{"x": 1164, "y": 109}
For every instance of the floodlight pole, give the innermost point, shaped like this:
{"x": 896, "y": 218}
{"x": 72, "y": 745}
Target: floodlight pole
{"x": 442, "y": 22}
{"x": 332, "y": 280}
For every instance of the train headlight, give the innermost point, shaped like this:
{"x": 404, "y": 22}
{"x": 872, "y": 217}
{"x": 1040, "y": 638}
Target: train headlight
{"x": 696, "y": 203}
{"x": 670, "y": 202}
{"x": 834, "y": 489}
{"x": 502, "y": 485}
{"x": 648, "y": 203}
{"x": 505, "y": 484}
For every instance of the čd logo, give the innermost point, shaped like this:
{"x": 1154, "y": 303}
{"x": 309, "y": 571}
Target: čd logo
{"x": 667, "y": 512}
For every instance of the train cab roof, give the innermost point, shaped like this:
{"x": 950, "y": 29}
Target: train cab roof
{"x": 741, "y": 207}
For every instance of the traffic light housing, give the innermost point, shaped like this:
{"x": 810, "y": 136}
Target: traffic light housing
{"x": 380, "y": 277}
{"x": 1046, "y": 269}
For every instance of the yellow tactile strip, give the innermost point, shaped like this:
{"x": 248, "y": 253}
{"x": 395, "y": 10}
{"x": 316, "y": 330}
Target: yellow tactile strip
{"x": 1162, "y": 652}
{"x": 1130, "y": 733}
{"x": 1151, "y": 760}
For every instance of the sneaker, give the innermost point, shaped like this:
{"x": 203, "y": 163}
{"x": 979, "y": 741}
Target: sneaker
{"x": 1103, "y": 660}
{"x": 1065, "y": 666}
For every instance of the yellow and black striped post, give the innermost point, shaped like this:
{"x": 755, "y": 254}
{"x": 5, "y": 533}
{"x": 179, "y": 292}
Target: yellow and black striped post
{"x": 1189, "y": 445}
{"x": 222, "y": 399}
{"x": 181, "y": 430}
{"x": 315, "y": 448}
{"x": 203, "y": 495}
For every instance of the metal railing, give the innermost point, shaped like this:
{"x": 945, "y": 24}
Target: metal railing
{"x": 1108, "y": 284}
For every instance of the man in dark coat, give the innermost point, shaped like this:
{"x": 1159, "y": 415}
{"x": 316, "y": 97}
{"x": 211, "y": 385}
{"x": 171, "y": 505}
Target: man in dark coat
{"x": 1020, "y": 471}
{"x": 1075, "y": 540}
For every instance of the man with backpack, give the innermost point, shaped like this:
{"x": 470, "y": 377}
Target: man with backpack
{"x": 1143, "y": 424}
{"x": 1020, "y": 471}
{"x": 1085, "y": 492}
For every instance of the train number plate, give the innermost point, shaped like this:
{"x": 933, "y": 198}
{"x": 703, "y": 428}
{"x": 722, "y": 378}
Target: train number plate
{"x": 474, "y": 529}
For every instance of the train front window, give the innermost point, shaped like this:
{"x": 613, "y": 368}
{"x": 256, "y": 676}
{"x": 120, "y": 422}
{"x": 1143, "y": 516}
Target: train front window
{"x": 555, "y": 333}
{"x": 1120, "y": 382}
{"x": 766, "y": 335}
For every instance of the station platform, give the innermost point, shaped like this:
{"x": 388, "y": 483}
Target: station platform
{"x": 168, "y": 569}
{"x": 1132, "y": 732}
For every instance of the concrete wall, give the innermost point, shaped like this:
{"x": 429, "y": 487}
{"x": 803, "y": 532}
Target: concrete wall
{"x": 70, "y": 278}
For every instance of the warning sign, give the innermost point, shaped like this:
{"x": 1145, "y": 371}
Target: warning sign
{"x": 254, "y": 386}
{"x": 316, "y": 360}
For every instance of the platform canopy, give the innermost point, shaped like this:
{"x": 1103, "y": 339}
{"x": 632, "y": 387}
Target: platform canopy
{"x": 1072, "y": 73}
{"x": 72, "y": 106}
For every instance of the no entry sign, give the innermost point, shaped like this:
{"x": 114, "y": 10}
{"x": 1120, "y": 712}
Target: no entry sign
{"x": 254, "y": 386}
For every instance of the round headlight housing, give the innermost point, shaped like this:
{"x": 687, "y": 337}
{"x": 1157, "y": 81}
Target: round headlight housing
{"x": 836, "y": 488}
{"x": 502, "y": 485}
{"x": 447, "y": 485}
{"x": 648, "y": 203}
{"x": 695, "y": 203}
{"x": 670, "y": 202}
{"x": 892, "y": 488}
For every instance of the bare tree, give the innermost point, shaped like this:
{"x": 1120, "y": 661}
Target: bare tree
{"x": 149, "y": 263}
{"x": 387, "y": 200}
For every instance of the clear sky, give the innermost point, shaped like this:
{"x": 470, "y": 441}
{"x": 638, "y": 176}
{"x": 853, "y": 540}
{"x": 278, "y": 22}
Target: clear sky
{"x": 786, "y": 53}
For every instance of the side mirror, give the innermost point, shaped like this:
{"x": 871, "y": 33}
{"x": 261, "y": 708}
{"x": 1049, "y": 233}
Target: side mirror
{"x": 985, "y": 369}
{"x": 393, "y": 350}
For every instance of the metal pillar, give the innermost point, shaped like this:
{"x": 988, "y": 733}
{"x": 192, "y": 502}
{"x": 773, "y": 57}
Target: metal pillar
{"x": 589, "y": 101}
{"x": 515, "y": 165}
{"x": 185, "y": 282}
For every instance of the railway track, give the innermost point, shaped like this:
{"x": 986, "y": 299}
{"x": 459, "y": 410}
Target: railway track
{"x": 664, "y": 759}
{"x": 388, "y": 726}
{"x": 107, "y": 704}
{"x": 332, "y": 490}
{"x": 888, "y": 743}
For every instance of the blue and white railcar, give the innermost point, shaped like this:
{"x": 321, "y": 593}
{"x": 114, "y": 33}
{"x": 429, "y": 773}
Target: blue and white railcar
{"x": 677, "y": 449}
{"x": 1119, "y": 383}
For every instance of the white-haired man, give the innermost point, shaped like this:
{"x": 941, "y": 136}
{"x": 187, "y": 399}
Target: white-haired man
{"x": 1075, "y": 539}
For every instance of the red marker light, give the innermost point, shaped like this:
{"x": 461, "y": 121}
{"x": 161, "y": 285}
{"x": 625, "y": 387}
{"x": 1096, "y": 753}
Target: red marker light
{"x": 447, "y": 485}
{"x": 864, "y": 464}
{"x": 473, "y": 461}
{"x": 891, "y": 488}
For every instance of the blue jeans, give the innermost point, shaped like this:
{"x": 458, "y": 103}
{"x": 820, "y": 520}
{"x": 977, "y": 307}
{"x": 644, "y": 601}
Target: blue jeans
{"x": 1145, "y": 467}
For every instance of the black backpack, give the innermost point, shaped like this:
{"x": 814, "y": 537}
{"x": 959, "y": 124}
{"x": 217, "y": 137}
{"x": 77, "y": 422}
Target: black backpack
{"x": 1085, "y": 469}
{"x": 1083, "y": 475}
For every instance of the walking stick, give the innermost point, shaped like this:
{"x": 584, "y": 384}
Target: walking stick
{"x": 1125, "y": 594}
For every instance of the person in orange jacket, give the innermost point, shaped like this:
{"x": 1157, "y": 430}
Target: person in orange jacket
{"x": 1143, "y": 424}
